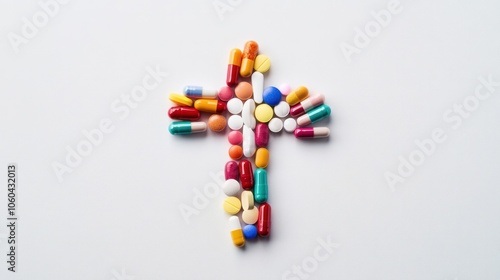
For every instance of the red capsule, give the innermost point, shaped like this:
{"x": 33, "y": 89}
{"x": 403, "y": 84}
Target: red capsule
{"x": 184, "y": 113}
{"x": 246, "y": 174}
{"x": 233, "y": 67}
{"x": 264, "y": 221}
{"x": 261, "y": 135}
{"x": 231, "y": 170}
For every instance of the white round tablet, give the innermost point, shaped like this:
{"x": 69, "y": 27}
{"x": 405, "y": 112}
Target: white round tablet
{"x": 282, "y": 109}
{"x": 235, "y": 122}
{"x": 234, "y": 106}
{"x": 285, "y": 89}
{"x": 231, "y": 187}
{"x": 275, "y": 125}
{"x": 290, "y": 125}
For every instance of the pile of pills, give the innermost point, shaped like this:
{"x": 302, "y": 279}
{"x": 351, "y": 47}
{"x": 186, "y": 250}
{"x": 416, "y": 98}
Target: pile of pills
{"x": 254, "y": 112}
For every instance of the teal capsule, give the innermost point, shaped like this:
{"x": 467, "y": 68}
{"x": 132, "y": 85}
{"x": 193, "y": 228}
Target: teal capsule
{"x": 260, "y": 185}
{"x": 178, "y": 128}
{"x": 314, "y": 115}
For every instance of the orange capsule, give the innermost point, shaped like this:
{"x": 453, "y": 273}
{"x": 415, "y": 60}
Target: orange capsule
{"x": 249, "y": 54}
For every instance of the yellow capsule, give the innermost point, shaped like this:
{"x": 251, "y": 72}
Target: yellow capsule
{"x": 248, "y": 59}
{"x": 180, "y": 99}
{"x": 262, "y": 158}
{"x": 210, "y": 105}
{"x": 236, "y": 232}
{"x": 297, "y": 96}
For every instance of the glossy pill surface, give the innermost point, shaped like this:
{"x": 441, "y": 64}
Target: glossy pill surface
{"x": 234, "y": 106}
{"x": 180, "y": 99}
{"x": 246, "y": 174}
{"x": 261, "y": 135}
{"x": 233, "y": 67}
{"x": 226, "y": 93}
{"x": 271, "y": 96}
{"x": 235, "y": 137}
{"x": 307, "y": 104}
{"x": 264, "y": 113}
{"x": 235, "y": 122}
{"x": 297, "y": 95}
{"x": 264, "y": 222}
{"x": 231, "y": 170}
{"x": 262, "y": 63}
{"x": 260, "y": 186}
{"x": 247, "y": 201}
{"x": 243, "y": 91}
{"x": 185, "y": 127}
{"x": 261, "y": 158}
{"x": 232, "y": 205}
{"x": 217, "y": 123}
{"x": 231, "y": 187}
{"x": 184, "y": 113}
{"x": 285, "y": 89}
{"x": 236, "y": 231}
{"x": 275, "y": 125}
{"x": 250, "y": 231}
{"x": 282, "y": 109}
{"x": 250, "y": 216}
{"x": 248, "y": 59}
{"x": 314, "y": 115}
{"x": 200, "y": 92}
{"x": 249, "y": 146}
{"x": 248, "y": 113}
{"x": 290, "y": 125}
{"x": 235, "y": 152}
{"x": 257, "y": 86}
{"x": 210, "y": 105}
{"x": 312, "y": 132}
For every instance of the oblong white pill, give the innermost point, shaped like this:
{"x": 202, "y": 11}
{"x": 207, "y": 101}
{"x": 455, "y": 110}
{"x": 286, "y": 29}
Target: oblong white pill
{"x": 234, "y": 106}
{"x": 249, "y": 146}
{"x": 258, "y": 86}
{"x": 290, "y": 125}
{"x": 231, "y": 187}
{"x": 282, "y": 109}
{"x": 248, "y": 113}
{"x": 275, "y": 125}
{"x": 235, "y": 122}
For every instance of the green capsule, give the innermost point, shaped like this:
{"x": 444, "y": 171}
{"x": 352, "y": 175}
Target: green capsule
{"x": 260, "y": 187}
{"x": 187, "y": 127}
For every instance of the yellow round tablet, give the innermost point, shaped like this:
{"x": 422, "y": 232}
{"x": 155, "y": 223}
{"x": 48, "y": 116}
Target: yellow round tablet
{"x": 262, "y": 63}
{"x": 263, "y": 113}
{"x": 180, "y": 99}
{"x": 232, "y": 205}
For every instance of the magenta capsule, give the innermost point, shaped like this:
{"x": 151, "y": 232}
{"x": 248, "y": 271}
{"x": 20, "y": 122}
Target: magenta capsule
{"x": 307, "y": 105}
{"x": 311, "y": 132}
{"x": 264, "y": 220}
{"x": 231, "y": 170}
{"x": 246, "y": 174}
{"x": 261, "y": 135}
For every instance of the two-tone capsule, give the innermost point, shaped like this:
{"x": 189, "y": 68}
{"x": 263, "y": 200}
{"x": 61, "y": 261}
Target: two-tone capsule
{"x": 185, "y": 127}
{"x": 260, "y": 188}
{"x": 306, "y": 105}
{"x": 200, "y": 92}
{"x": 236, "y": 231}
{"x": 297, "y": 95}
{"x": 210, "y": 105}
{"x": 249, "y": 54}
{"x": 314, "y": 115}
{"x": 233, "y": 67}
{"x": 311, "y": 132}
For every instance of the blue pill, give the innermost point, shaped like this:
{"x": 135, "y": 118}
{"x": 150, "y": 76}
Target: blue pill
{"x": 271, "y": 96}
{"x": 249, "y": 231}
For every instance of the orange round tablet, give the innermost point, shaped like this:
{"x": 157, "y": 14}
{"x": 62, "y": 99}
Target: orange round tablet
{"x": 217, "y": 122}
{"x": 235, "y": 152}
{"x": 243, "y": 90}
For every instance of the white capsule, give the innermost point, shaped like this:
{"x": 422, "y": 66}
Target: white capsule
{"x": 249, "y": 146}
{"x": 234, "y": 106}
{"x": 231, "y": 187}
{"x": 275, "y": 125}
{"x": 235, "y": 122}
{"x": 290, "y": 125}
{"x": 248, "y": 113}
{"x": 235, "y": 231}
{"x": 200, "y": 92}
{"x": 258, "y": 86}
{"x": 282, "y": 109}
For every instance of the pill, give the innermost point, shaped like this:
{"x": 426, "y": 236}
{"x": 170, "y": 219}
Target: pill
{"x": 247, "y": 201}
{"x": 233, "y": 67}
{"x": 264, "y": 221}
{"x": 290, "y": 125}
{"x": 235, "y": 137}
{"x": 232, "y": 205}
{"x": 226, "y": 93}
{"x": 243, "y": 91}
{"x": 314, "y": 115}
{"x": 260, "y": 185}
{"x": 261, "y": 135}
{"x": 200, "y": 92}
{"x": 250, "y": 216}
{"x": 271, "y": 96}
{"x": 257, "y": 86}
{"x": 180, "y": 99}
{"x": 262, "y": 63}
{"x": 246, "y": 174}
{"x": 235, "y": 152}
{"x": 184, "y": 113}
{"x": 248, "y": 113}
{"x": 248, "y": 141}
{"x": 263, "y": 113}
{"x": 248, "y": 58}
{"x": 306, "y": 105}
{"x": 235, "y": 122}
{"x": 236, "y": 231}
{"x": 231, "y": 187}
{"x": 285, "y": 89}
{"x": 231, "y": 170}
{"x": 185, "y": 127}
{"x": 282, "y": 109}
{"x": 312, "y": 132}
{"x": 234, "y": 106}
{"x": 297, "y": 95}
{"x": 216, "y": 122}
{"x": 261, "y": 157}
{"x": 210, "y": 105}
{"x": 250, "y": 231}
{"x": 275, "y": 125}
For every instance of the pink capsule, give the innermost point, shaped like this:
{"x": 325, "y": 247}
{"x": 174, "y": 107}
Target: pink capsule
{"x": 312, "y": 132}
{"x": 307, "y": 105}
{"x": 261, "y": 135}
{"x": 231, "y": 170}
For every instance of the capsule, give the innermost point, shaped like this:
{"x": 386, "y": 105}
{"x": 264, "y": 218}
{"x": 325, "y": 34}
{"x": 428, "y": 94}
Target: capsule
{"x": 236, "y": 231}
{"x": 306, "y": 105}
{"x": 200, "y": 92}
{"x": 249, "y": 54}
{"x": 184, "y": 113}
{"x": 314, "y": 115}
{"x": 233, "y": 67}
{"x": 261, "y": 135}
{"x": 261, "y": 158}
{"x": 297, "y": 95}
{"x": 264, "y": 221}
{"x": 210, "y": 105}
{"x": 246, "y": 174}
{"x": 184, "y": 127}
{"x": 231, "y": 170}
{"x": 312, "y": 132}
{"x": 260, "y": 188}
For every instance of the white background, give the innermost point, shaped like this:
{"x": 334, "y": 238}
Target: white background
{"x": 116, "y": 216}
